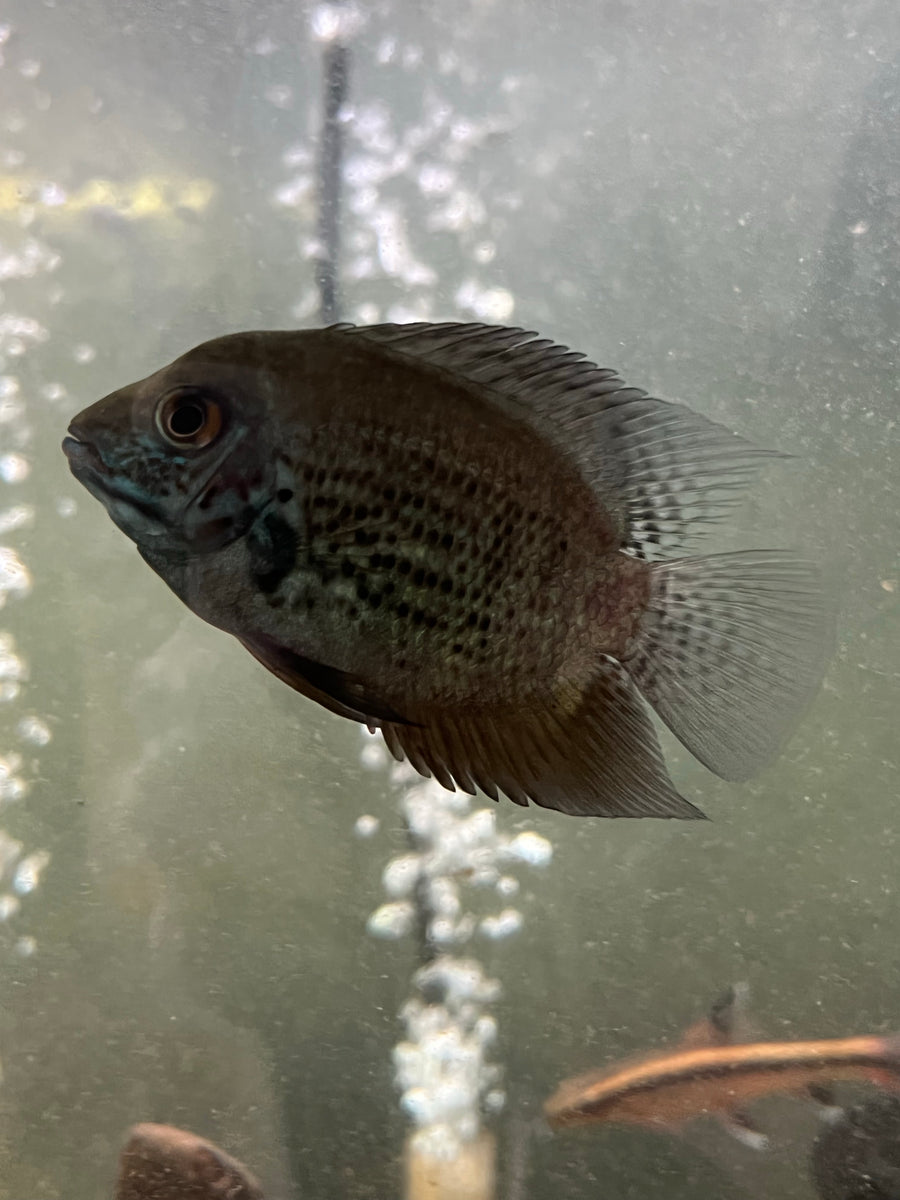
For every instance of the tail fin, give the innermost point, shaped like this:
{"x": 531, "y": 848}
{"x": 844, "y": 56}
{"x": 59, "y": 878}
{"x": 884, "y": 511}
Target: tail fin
{"x": 732, "y": 648}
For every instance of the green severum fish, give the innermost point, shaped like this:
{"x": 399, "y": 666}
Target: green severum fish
{"x": 447, "y": 532}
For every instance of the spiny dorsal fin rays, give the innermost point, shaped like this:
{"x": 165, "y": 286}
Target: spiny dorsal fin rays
{"x": 680, "y": 473}
{"x": 666, "y": 471}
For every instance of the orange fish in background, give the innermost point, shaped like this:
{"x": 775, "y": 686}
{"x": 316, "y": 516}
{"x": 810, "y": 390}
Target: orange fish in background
{"x": 160, "y": 1162}
{"x": 716, "y": 1070}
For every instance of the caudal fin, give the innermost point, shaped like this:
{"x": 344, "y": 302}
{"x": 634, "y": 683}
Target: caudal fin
{"x": 732, "y": 648}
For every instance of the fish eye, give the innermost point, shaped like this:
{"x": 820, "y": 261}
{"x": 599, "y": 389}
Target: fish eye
{"x": 189, "y": 416}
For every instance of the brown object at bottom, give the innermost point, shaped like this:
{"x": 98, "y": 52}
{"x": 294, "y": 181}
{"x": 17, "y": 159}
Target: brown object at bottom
{"x": 468, "y": 1176}
{"x": 160, "y": 1162}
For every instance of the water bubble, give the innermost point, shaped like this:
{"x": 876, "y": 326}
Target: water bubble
{"x": 530, "y": 848}
{"x": 443, "y": 898}
{"x": 280, "y": 95}
{"x": 12, "y": 788}
{"x": 503, "y": 925}
{"x": 485, "y": 1029}
{"x": 16, "y": 517}
{"x": 298, "y": 156}
{"x": 51, "y": 195}
{"x": 21, "y": 329}
{"x": 366, "y": 826}
{"x": 11, "y": 411}
{"x": 507, "y": 886}
{"x": 435, "y": 179}
{"x": 29, "y": 68}
{"x": 386, "y": 50}
{"x": 400, "y": 876}
{"x": 32, "y": 257}
{"x": 25, "y": 947}
{"x": 367, "y": 314}
{"x": 265, "y": 46}
{"x": 333, "y": 22}
{"x": 306, "y": 305}
{"x": 14, "y": 576}
{"x": 84, "y": 353}
{"x": 418, "y": 1105}
{"x": 481, "y": 825}
{"x": 450, "y": 1099}
{"x": 295, "y": 192}
{"x": 391, "y": 921}
{"x": 10, "y": 850}
{"x": 374, "y": 756}
{"x": 488, "y": 304}
{"x": 495, "y": 1100}
{"x": 66, "y": 506}
{"x": 442, "y": 931}
{"x": 9, "y": 906}
{"x": 28, "y": 873}
{"x": 411, "y": 57}
{"x": 34, "y": 730}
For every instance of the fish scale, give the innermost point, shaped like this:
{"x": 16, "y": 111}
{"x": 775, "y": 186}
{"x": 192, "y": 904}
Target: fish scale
{"x": 455, "y": 533}
{"x": 419, "y": 558}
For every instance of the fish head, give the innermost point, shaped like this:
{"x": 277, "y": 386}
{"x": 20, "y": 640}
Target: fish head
{"x": 183, "y": 461}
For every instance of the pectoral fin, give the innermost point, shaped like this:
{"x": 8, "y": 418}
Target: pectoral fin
{"x": 741, "y": 1127}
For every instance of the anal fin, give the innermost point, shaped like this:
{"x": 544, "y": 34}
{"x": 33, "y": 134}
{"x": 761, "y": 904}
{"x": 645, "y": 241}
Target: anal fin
{"x": 742, "y": 1128}
{"x": 588, "y": 753}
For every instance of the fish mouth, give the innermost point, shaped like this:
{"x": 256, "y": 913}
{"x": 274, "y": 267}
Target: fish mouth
{"x": 87, "y": 465}
{"x": 82, "y": 456}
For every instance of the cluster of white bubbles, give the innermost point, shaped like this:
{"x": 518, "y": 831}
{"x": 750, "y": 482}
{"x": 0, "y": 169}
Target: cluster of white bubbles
{"x": 26, "y": 264}
{"x": 441, "y": 1066}
{"x": 406, "y": 181}
{"x": 454, "y": 887}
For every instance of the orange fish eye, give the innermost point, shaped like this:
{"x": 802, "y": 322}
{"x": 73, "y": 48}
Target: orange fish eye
{"x": 189, "y": 416}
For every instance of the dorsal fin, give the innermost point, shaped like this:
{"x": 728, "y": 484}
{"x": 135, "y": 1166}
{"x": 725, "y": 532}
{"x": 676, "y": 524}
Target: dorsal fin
{"x": 728, "y": 1015}
{"x": 664, "y": 471}
{"x": 725, "y": 1024}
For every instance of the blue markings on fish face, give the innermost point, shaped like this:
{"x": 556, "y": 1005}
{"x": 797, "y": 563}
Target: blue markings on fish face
{"x": 170, "y": 462}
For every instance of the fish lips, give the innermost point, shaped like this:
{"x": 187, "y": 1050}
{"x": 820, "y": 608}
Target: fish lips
{"x": 85, "y": 463}
{"x": 134, "y": 516}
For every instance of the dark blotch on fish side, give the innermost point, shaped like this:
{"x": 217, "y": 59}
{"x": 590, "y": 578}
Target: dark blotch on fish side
{"x": 858, "y": 1157}
{"x": 272, "y": 545}
{"x": 161, "y": 1162}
